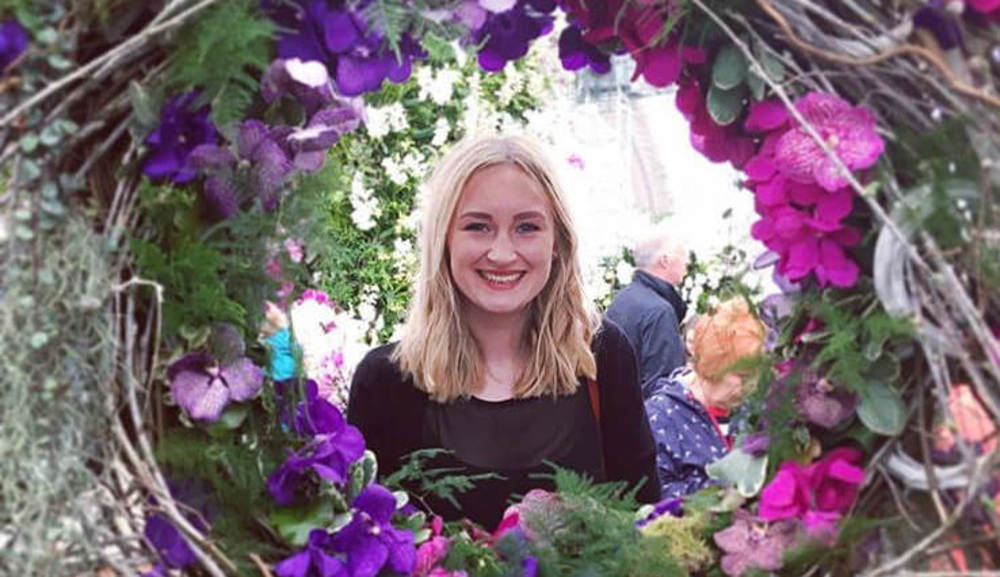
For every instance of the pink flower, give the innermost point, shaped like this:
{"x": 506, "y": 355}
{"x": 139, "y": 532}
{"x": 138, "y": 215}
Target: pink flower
{"x": 835, "y": 480}
{"x": 787, "y": 495}
{"x": 296, "y": 249}
{"x": 848, "y": 131}
{"x": 747, "y": 544}
{"x": 716, "y": 143}
{"x": 984, "y": 6}
{"x": 818, "y": 495}
{"x": 432, "y": 552}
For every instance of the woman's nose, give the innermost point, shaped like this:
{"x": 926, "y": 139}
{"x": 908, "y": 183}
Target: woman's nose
{"x": 501, "y": 250}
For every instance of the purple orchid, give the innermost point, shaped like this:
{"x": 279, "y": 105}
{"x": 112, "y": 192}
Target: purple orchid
{"x": 173, "y": 549}
{"x": 181, "y": 130}
{"x": 716, "y": 143}
{"x": 847, "y": 130}
{"x": 315, "y": 560}
{"x": 576, "y": 53}
{"x": 370, "y": 541}
{"x": 13, "y": 41}
{"x": 307, "y": 81}
{"x": 329, "y": 454}
{"x": 356, "y": 54}
{"x": 756, "y": 444}
{"x": 747, "y": 544}
{"x": 506, "y": 36}
{"x": 203, "y": 385}
{"x": 823, "y": 404}
{"x": 673, "y": 506}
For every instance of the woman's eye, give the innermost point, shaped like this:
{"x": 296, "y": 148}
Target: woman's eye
{"x": 475, "y": 226}
{"x": 528, "y": 227}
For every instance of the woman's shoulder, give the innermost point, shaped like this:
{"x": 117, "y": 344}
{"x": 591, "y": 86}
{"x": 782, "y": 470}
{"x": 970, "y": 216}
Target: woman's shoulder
{"x": 378, "y": 368}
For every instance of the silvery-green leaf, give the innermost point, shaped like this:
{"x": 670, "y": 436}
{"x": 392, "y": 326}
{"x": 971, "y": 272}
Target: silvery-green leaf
{"x": 295, "y": 523}
{"x": 744, "y": 471}
{"x": 725, "y": 106}
{"x": 730, "y": 68}
{"x": 882, "y": 409}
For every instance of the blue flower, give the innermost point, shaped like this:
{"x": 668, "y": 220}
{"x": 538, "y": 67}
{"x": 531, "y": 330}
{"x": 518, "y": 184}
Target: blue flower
{"x": 181, "y": 130}
{"x": 370, "y": 541}
{"x": 316, "y": 560}
{"x": 13, "y": 41}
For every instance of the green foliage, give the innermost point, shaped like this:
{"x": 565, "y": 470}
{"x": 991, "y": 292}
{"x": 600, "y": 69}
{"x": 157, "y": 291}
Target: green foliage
{"x": 223, "y": 53}
{"x": 422, "y": 482}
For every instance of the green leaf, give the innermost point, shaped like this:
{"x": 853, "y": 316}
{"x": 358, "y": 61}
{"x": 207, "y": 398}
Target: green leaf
{"x": 882, "y": 409}
{"x": 23, "y": 232}
{"x": 295, "y": 523}
{"x": 29, "y": 142}
{"x": 142, "y": 105}
{"x": 233, "y": 416}
{"x": 29, "y": 170}
{"x": 47, "y": 35}
{"x": 59, "y": 62}
{"x": 50, "y": 135}
{"x": 729, "y": 69}
{"x": 53, "y": 207}
{"x": 725, "y": 106}
{"x": 742, "y": 470}
{"x": 438, "y": 49}
{"x": 756, "y": 85}
{"x": 773, "y": 67}
{"x": 50, "y": 190}
{"x": 38, "y": 340}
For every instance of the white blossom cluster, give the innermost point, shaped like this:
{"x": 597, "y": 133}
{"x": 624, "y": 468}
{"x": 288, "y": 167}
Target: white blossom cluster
{"x": 442, "y": 130}
{"x": 437, "y": 85}
{"x": 385, "y": 120}
{"x": 401, "y": 170}
{"x": 368, "y": 313}
{"x": 364, "y": 205}
{"x": 512, "y": 84}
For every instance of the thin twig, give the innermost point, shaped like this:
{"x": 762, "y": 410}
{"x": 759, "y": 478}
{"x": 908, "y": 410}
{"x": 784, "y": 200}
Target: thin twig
{"x": 902, "y": 50}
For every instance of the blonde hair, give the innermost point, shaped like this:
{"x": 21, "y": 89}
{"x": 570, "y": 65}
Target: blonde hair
{"x": 437, "y": 348}
{"x": 721, "y": 339}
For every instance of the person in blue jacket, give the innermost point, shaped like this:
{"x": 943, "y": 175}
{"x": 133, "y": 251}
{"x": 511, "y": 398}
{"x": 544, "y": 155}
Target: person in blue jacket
{"x": 680, "y": 407}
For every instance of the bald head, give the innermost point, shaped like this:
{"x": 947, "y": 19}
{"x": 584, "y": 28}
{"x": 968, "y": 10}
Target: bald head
{"x": 661, "y": 255}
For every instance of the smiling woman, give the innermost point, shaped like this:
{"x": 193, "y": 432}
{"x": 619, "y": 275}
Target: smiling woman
{"x": 502, "y": 363}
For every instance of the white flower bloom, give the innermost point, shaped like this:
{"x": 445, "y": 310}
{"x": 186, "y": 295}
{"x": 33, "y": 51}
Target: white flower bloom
{"x": 367, "y": 312}
{"x": 311, "y": 73}
{"x": 397, "y": 117}
{"x": 510, "y": 87}
{"x": 443, "y": 86}
{"x": 442, "y": 129}
{"x": 363, "y": 216}
{"x": 377, "y": 123}
{"x": 402, "y": 247}
{"x": 424, "y": 76}
{"x": 414, "y": 164}
{"x": 395, "y": 170}
{"x": 623, "y": 272}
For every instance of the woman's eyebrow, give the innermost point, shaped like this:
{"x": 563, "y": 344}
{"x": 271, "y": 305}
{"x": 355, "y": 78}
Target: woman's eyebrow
{"x": 529, "y": 214}
{"x": 476, "y": 214}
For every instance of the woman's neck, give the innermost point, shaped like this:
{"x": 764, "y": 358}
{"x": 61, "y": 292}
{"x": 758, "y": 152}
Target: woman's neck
{"x": 696, "y": 385}
{"x": 500, "y": 339}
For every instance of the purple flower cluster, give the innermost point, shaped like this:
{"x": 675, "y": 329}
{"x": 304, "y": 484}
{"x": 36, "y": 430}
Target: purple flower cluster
{"x": 13, "y": 41}
{"x": 181, "y": 130}
{"x": 506, "y": 36}
{"x": 337, "y": 34}
{"x": 717, "y": 143}
{"x": 362, "y": 548}
{"x": 274, "y": 153}
{"x": 800, "y": 193}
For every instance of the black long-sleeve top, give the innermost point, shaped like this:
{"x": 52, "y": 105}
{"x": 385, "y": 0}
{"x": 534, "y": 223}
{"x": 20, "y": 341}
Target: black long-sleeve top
{"x": 511, "y": 438}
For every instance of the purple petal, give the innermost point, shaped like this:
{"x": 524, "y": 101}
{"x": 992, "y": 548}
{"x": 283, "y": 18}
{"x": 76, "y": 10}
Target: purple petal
{"x": 162, "y": 164}
{"x": 340, "y": 31}
{"x": 252, "y": 133}
{"x": 766, "y": 115}
{"x": 309, "y": 161}
{"x": 402, "y": 553}
{"x": 211, "y": 157}
{"x": 367, "y": 557}
{"x": 222, "y": 194}
{"x": 243, "y": 378}
{"x": 471, "y": 14}
{"x": 210, "y": 404}
{"x": 295, "y": 566}
{"x": 378, "y": 502}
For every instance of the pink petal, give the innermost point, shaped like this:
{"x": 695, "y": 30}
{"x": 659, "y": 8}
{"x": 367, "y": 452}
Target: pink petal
{"x": 835, "y": 206}
{"x": 740, "y": 150}
{"x": 805, "y": 193}
{"x": 828, "y": 174}
{"x": 760, "y": 167}
{"x": 187, "y": 387}
{"x": 662, "y": 65}
{"x": 803, "y": 257}
{"x": 766, "y": 115}
{"x": 497, "y": 6}
{"x": 773, "y": 192}
{"x": 835, "y": 267}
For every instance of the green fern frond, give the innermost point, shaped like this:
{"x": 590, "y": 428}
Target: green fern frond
{"x": 221, "y": 54}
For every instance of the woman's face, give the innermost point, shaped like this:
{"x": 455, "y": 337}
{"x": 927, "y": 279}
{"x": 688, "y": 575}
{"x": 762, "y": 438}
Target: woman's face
{"x": 726, "y": 393}
{"x": 501, "y": 241}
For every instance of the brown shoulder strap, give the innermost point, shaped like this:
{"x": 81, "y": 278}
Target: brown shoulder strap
{"x": 595, "y": 399}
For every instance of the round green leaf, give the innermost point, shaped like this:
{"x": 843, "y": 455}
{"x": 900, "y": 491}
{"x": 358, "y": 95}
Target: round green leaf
{"x": 741, "y": 470}
{"x": 29, "y": 142}
{"x": 295, "y": 523}
{"x": 38, "y": 340}
{"x": 725, "y": 106}
{"x": 729, "y": 69}
{"x": 756, "y": 85}
{"x": 881, "y": 409}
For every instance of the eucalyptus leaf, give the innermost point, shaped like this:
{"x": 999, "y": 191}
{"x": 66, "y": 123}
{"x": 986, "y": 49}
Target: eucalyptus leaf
{"x": 756, "y": 84}
{"x": 23, "y": 232}
{"x": 773, "y": 67}
{"x": 50, "y": 190}
{"x": 142, "y": 105}
{"x": 50, "y": 135}
{"x": 730, "y": 68}
{"x": 29, "y": 142}
{"x": 295, "y": 523}
{"x": 22, "y": 214}
{"x": 38, "y": 340}
{"x": 741, "y": 470}
{"x": 47, "y": 35}
{"x": 882, "y": 409}
{"x": 234, "y": 415}
{"x": 59, "y": 62}
{"x": 29, "y": 170}
{"x": 53, "y": 207}
{"x": 725, "y": 106}
{"x": 340, "y": 520}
